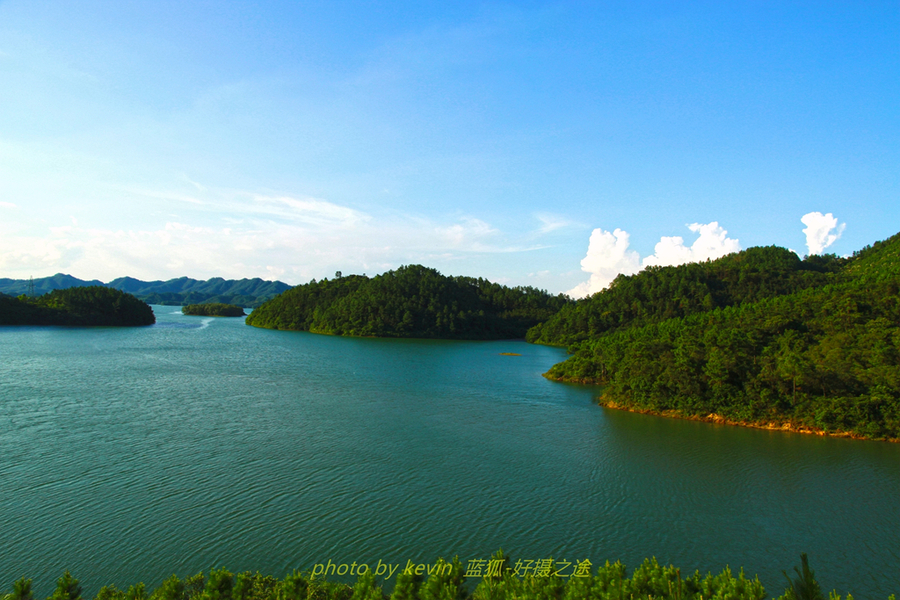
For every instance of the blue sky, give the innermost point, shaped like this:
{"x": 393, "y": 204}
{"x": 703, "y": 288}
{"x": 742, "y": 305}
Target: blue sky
{"x": 290, "y": 140}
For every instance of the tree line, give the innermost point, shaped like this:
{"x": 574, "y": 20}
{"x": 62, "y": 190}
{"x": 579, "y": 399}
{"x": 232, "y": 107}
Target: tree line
{"x": 91, "y": 306}
{"x": 412, "y": 301}
{"x": 659, "y": 293}
{"x": 816, "y": 345}
{"x": 213, "y": 309}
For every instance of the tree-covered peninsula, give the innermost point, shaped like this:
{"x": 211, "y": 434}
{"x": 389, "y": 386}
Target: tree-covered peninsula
{"x": 213, "y": 309}
{"x": 412, "y": 301}
{"x": 92, "y": 305}
{"x": 758, "y": 338}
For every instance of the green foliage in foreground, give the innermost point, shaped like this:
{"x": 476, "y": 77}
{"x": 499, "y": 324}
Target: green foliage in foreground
{"x": 92, "y": 305}
{"x": 608, "y": 582}
{"x": 412, "y": 301}
{"x": 826, "y": 357}
{"x": 213, "y": 309}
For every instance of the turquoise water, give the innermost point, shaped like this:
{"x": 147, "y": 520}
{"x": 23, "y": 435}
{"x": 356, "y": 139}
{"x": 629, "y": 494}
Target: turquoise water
{"x": 130, "y": 454}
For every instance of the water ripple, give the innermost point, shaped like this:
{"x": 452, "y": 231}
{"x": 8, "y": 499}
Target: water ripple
{"x": 127, "y": 455}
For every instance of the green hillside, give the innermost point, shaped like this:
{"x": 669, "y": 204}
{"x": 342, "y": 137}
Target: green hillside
{"x": 825, "y": 357}
{"x": 878, "y": 262}
{"x": 92, "y": 305}
{"x": 412, "y": 301}
{"x": 660, "y": 293}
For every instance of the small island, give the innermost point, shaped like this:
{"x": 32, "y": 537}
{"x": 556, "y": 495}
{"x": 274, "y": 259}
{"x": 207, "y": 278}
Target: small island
{"x": 213, "y": 309}
{"x": 412, "y": 302}
{"x": 78, "y": 306}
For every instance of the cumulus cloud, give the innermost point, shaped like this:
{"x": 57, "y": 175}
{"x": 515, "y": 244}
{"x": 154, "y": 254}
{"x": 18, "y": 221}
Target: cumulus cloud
{"x": 821, "y": 231}
{"x": 608, "y": 255}
{"x": 712, "y": 243}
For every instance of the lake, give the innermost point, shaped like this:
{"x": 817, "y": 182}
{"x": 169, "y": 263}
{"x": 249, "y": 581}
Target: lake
{"x": 130, "y": 454}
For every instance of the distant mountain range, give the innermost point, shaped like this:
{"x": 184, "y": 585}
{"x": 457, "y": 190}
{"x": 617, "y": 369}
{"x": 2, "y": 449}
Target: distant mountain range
{"x": 248, "y": 293}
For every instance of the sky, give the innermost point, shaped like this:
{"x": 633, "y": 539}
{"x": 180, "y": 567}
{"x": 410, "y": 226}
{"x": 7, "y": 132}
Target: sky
{"x": 547, "y": 144}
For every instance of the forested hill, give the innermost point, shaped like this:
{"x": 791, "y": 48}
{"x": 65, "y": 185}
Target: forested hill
{"x": 659, "y": 293}
{"x": 92, "y": 305}
{"x": 412, "y": 301}
{"x": 815, "y": 347}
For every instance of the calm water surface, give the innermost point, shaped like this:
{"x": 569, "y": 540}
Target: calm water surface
{"x": 130, "y": 454}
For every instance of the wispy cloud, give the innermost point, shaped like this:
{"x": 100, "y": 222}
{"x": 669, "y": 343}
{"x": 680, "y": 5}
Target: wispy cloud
{"x": 312, "y": 211}
{"x": 551, "y": 222}
{"x": 7, "y": 205}
{"x": 270, "y": 236}
{"x": 200, "y": 187}
{"x": 162, "y": 195}
{"x": 470, "y": 233}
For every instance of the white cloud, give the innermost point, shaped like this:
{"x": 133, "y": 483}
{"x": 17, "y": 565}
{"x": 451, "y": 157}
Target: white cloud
{"x": 713, "y": 242}
{"x": 551, "y": 222}
{"x": 309, "y": 210}
{"x": 821, "y": 231}
{"x": 608, "y": 255}
{"x": 200, "y": 187}
{"x": 471, "y": 233}
{"x": 157, "y": 195}
{"x": 288, "y": 238}
{"x": 7, "y": 205}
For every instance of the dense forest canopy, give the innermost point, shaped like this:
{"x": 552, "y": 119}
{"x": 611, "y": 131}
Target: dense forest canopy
{"x": 412, "y": 301}
{"x": 660, "y": 293}
{"x": 756, "y": 337}
{"x": 213, "y": 309}
{"x": 92, "y": 305}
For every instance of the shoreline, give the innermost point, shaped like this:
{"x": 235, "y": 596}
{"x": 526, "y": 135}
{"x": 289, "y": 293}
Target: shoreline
{"x": 719, "y": 419}
{"x": 715, "y": 418}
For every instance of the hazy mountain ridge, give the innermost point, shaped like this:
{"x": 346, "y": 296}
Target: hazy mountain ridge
{"x": 179, "y": 291}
